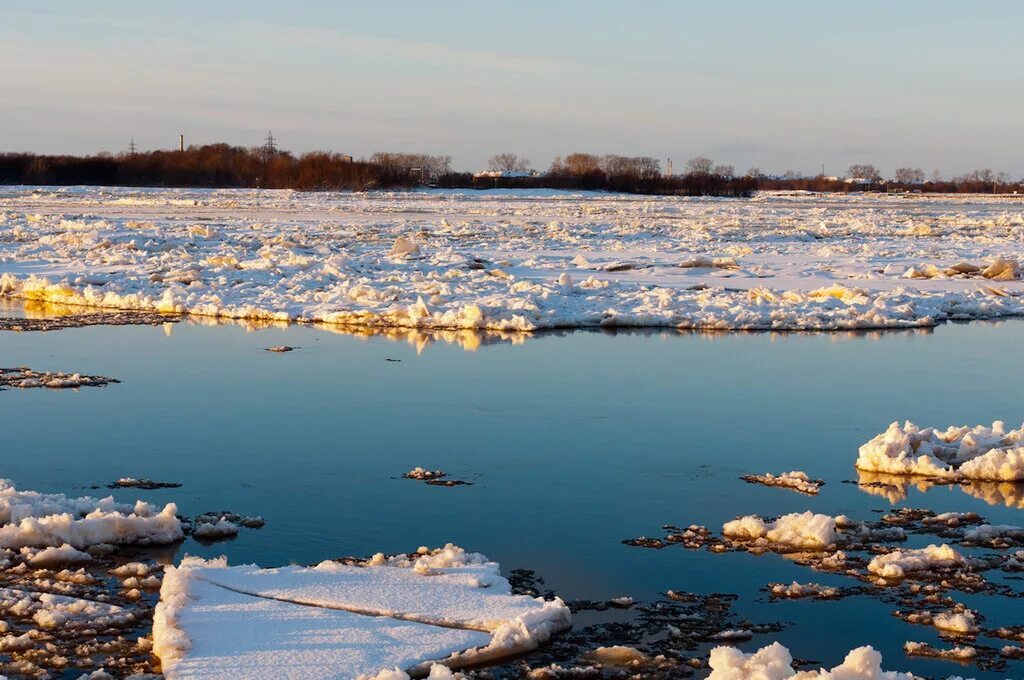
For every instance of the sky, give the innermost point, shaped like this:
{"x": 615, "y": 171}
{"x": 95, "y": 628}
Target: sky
{"x": 784, "y": 85}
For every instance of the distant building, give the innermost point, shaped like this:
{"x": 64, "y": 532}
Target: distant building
{"x": 494, "y": 174}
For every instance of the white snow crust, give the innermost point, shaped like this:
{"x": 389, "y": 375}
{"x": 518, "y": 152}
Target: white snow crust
{"x": 518, "y": 261}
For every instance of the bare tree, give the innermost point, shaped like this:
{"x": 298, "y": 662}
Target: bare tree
{"x": 909, "y": 175}
{"x": 866, "y": 172}
{"x": 508, "y": 162}
{"x": 642, "y": 167}
{"x": 985, "y": 176}
{"x": 699, "y": 166}
{"x": 647, "y": 166}
{"x": 754, "y": 172}
{"x": 726, "y": 171}
{"x": 576, "y": 165}
{"x": 427, "y": 165}
{"x": 936, "y": 175}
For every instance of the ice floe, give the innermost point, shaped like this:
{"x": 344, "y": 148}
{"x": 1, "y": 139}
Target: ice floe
{"x": 405, "y": 611}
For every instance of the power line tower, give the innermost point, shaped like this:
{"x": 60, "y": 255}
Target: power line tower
{"x": 131, "y": 147}
{"x": 270, "y": 146}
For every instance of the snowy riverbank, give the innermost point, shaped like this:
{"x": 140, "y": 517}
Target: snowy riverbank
{"x": 501, "y": 261}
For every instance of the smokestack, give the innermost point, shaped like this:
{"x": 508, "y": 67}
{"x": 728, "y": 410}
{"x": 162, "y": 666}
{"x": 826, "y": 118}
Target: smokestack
{"x": 181, "y": 142}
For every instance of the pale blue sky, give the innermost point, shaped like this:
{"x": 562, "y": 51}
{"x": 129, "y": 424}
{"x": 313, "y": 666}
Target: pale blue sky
{"x": 779, "y": 85}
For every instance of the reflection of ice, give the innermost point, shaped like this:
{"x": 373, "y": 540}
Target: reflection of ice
{"x": 1009, "y": 494}
{"x": 894, "y": 488}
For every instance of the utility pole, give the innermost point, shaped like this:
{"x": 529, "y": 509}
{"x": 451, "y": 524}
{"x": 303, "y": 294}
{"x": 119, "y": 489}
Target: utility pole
{"x": 181, "y": 142}
{"x": 131, "y": 147}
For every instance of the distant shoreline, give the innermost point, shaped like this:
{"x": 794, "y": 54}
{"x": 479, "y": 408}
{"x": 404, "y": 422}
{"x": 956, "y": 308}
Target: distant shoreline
{"x": 220, "y": 166}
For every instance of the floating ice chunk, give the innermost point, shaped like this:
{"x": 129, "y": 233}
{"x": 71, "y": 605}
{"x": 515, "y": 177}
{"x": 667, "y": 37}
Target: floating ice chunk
{"x": 404, "y": 247}
{"x": 50, "y": 611}
{"x": 925, "y": 649}
{"x": 956, "y": 622}
{"x": 423, "y": 473}
{"x": 147, "y": 484}
{"x": 26, "y": 378}
{"x": 798, "y": 530}
{"x": 437, "y": 672}
{"x": 28, "y": 518}
{"x": 956, "y": 454}
{"x": 208, "y": 531}
{"x": 796, "y": 480}
{"x": 899, "y": 563}
{"x": 62, "y": 556}
{"x": 774, "y": 663}
{"x": 732, "y": 635}
{"x": 746, "y": 527}
{"x": 16, "y": 643}
{"x": 617, "y": 655}
{"x": 797, "y": 591}
{"x": 1001, "y": 270}
{"x": 992, "y": 534}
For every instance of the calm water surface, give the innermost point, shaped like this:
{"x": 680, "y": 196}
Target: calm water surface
{"x": 573, "y": 443}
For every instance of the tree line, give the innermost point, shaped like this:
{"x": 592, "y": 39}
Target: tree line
{"x": 226, "y": 166}
{"x": 210, "y": 165}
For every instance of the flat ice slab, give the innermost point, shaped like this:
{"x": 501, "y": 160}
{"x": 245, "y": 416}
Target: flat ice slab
{"x": 343, "y": 621}
{"x": 239, "y": 636}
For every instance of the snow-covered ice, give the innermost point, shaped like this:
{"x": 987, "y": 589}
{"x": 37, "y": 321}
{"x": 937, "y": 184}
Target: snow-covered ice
{"x": 956, "y": 453}
{"x": 405, "y": 611}
{"x": 518, "y": 260}
{"x": 213, "y": 632}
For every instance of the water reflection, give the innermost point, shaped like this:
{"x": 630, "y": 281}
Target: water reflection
{"x": 895, "y": 488}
